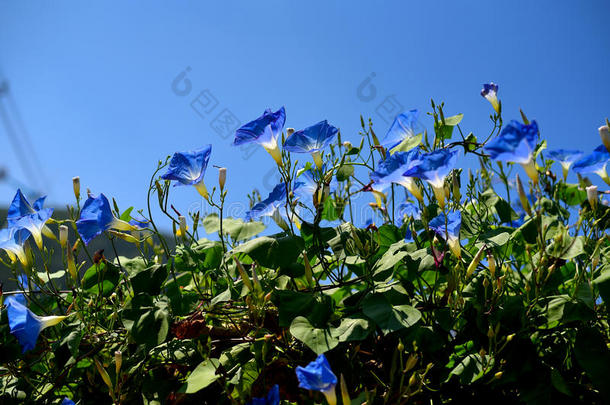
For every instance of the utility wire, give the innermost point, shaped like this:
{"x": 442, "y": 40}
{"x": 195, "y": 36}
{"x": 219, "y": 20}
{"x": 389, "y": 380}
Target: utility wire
{"x": 17, "y": 147}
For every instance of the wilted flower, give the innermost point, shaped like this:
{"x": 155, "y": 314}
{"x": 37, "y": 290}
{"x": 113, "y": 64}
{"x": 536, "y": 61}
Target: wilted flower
{"x": 516, "y": 143}
{"x": 272, "y": 398}
{"x": 565, "y": 158}
{"x": 392, "y": 169}
{"x": 25, "y": 325}
{"x": 188, "y": 168}
{"x": 265, "y": 131}
{"x": 434, "y": 167}
{"x": 523, "y": 198}
{"x": 402, "y": 128}
{"x": 312, "y": 140}
{"x": 317, "y": 376}
{"x": 490, "y": 92}
{"x": 12, "y": 240}
{"x": 96, "y": 217}
{"x": 449, "y": 227}
{"x": 594, "y": 163}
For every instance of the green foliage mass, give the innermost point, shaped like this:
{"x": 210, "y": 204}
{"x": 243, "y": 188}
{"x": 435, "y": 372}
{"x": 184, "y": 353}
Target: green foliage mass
{"x": 398, "y": 315}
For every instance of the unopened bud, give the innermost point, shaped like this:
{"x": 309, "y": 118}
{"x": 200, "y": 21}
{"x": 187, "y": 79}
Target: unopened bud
{"x": 411, "y": 362}
{"x": 510, "y": 337}
{"x": 222, "y": 177}
{"x": 457, "y": 196}
{"x": 482, "y": 352}
{"x": 592, "y": 196}
{"x": 347, "y": 145}
{"x": 400, "y": 347}
{"x": 118, "y": 361}
{"x": 413, "y": 380}
{"x": 605, "y": 135}
{"x": 475, "y": 262}
{"x": 498, "y": 375}
{"x": 76, "y": 186}
{"x": 182, "y": 221}
{"x": 485, "y": 283}
{"x": 522, "y": 197}
{"x": 490, "y": 332}
{"x": 491, "y": 260}
{"x": 63, "y": 235}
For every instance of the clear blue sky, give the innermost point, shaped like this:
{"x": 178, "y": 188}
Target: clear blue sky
{"x": 93, "y": 80}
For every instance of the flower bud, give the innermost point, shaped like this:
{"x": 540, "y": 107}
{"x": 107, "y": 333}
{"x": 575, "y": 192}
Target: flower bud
{"x": 289, "y": 131}
{"x": 411, "y": 362}
{"x": 475, "y": 262}
{"x": 522, "y": 197}
{"x": 63, "y": 236}
{"x": 498, "y": 375}
{"x": 605, "y": 135}
{"x": 592, "y": 196}
{"x": 182, "y": 222}
{"x": 222, "y": 177}
{"x": 510, "y": 337}
{"x": 76, "y": 186}
{"x": 347, "y": 145}
{"x": 485, "y": 283}
{"x": 118, "y": 361}
{"x": 491, "y": 260}
{"x": 455, "y": 181}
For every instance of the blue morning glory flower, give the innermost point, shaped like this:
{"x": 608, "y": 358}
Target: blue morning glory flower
{"x": 33, "y": 217}
{"x": 268, "y": 206}
{"x": 566, "y": 158}
{"x": 188, "y": 168}
{"x": 312, "y": 140}
{"x": 434, "y": 167}
{"x": 516, "y": 144}
{"x": 35, "y": 223}
{"x": 317, "y": 376}
{"x": 26, "y": 325}
{"x": 402, "y": 128}
{"x": 272, "y": 398}
{"x": 392, "y": 169}
{"x": 67, "y": 401}
{"x": 20, "y": 207}
{"x": 96, "y": 217}
{"x": 12, "y": 240}
{"x": 265, "y": 131}
{"x": 490, "y": 92}
{"x": 306, "y": 187}
{"x": 448, "y": 227}
{"x": 595, "y": 162}
{"x": 407, "y": 210}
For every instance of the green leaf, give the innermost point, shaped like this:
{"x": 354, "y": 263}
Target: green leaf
{"x": 592, "y": 354}
{"x": 292, "y": 304}
{"x": 388, "y": 317}
{"x": 318, "y": 340}
{"x": 472, "y": 368}
{"x": 273, "y": 251}
{"x": 234, "y": 227}
{"x": 602, "y": 282}
{"x": 147, "y": 321}
{"x": 329, "y": 212}
{"x": 353, "y": 328}
{"x": 571, "y": 194}
{"x": 344, "y": 172}
{"x": 204, "y": 255}
{"x": 407, "y": 144}
{"x": 101, "y": 278}
{"x": 149, "y": 280}
{"x": 203, "y": 375}
{"x": 126, "y": 216}
{"x": 222, "y": 297}
{"x": 46, "y": 277}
